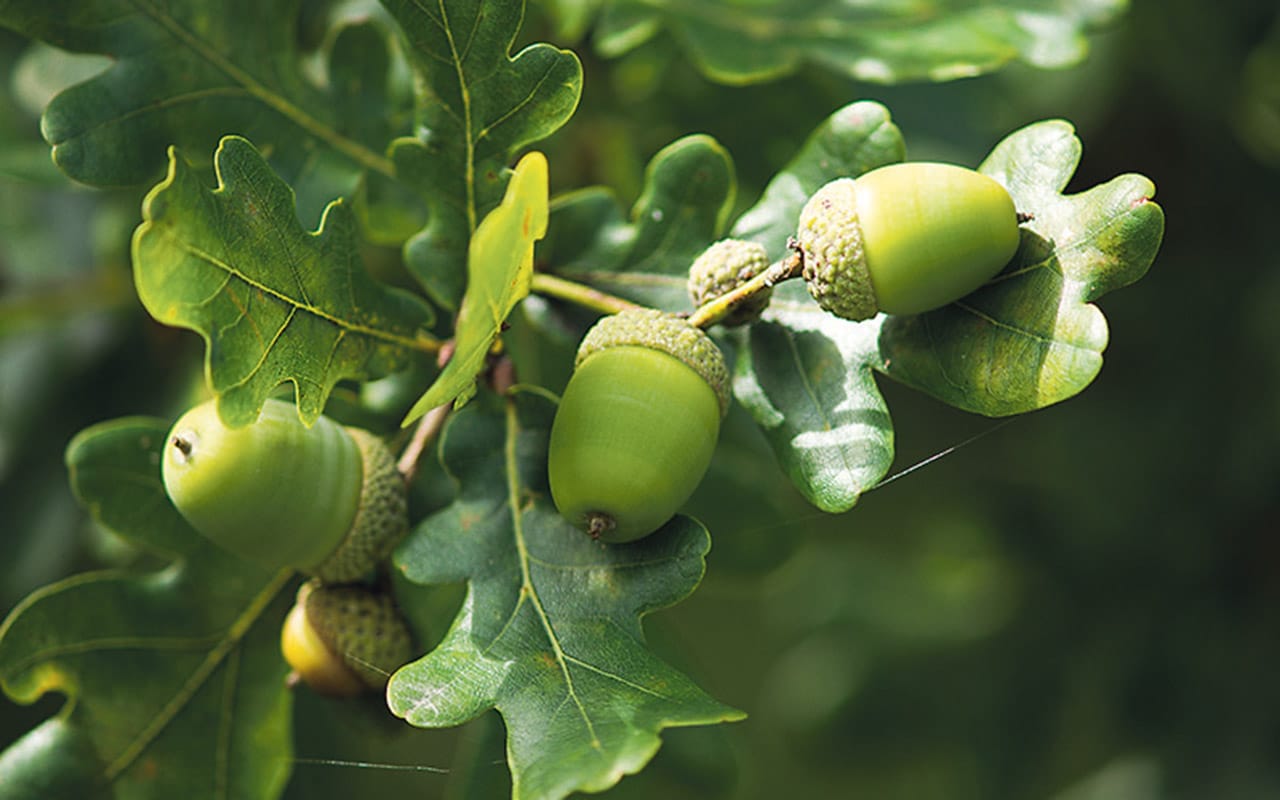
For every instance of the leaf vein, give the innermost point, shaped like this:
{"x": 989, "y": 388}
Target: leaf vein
{"x": 109, "y": 643}
{"x": 506, "y": 625}
{"x": 222, "y": 748}
{"x": 163, "y": 103}
{"x": 211, "y": 55}
{"x": 610, "y": 567}
{"x": 530, "y": 97}
{"x": 1022, "y": 332}
{"x": 618, "y": 678}
{"x": 468, "y": 132}
{"x": 202, "y": 673}
{"x": 527, "y": 585}
{"x": 332, "y": 318}
{"x": 267, "y": 348}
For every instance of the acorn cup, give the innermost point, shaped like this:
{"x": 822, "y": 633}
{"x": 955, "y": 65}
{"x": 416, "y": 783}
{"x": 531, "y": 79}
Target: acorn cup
{"x": 344, "y": 640}
{"x": 723, "y": 267}
{"x": 905, "y": 239}
{"x": 325, "y": 500}
{"x": 637, "y": 425}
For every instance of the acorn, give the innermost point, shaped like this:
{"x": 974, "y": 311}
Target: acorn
{"x": 723, "y": 267}
{"x": 344, "y": 640}
{"x": 326, "y": 500}
{"x": 905, "y": 238}
{"x": 637, "y": 425}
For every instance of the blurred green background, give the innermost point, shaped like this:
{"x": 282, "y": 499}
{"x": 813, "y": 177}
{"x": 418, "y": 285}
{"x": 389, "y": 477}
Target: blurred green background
{"x": 1080, "y": 604}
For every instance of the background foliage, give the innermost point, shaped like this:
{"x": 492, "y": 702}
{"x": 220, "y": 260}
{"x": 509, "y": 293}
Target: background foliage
{"x": 1081, "y": 603}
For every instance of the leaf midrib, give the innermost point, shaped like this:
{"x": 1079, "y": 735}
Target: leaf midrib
{"x": 348, "y": 147}
{"x": 225, "y": 647}
{"x": 341, "y": 323}
{"x": 464, "y": 92}
{"x": 527, "y": 589}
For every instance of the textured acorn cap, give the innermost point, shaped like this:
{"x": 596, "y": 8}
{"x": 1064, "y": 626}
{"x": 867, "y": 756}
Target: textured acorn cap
{"x": 666, "y": 333}
{"x": 382, "y": 516}
{"x": 835, "y": 265}
{"x": 723, "y": 267}
{"x": 362, "y": 627}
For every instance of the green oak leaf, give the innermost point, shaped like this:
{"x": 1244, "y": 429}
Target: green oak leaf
{"x": 1028, "y": 339}
{"x": 186, "y": 73}
{"x": 549, "y": 633}
{"x": 499, "y": 268}
{"x": 688, "y": 193}
{"x": 366, "y": 108}
{"x": 881, "y": 41}
{"x": 1031, "y": 337}
{"x": 273, "y": 302}
{"x": 479, "y": 106}
{"x": 806, "y": 379}
{"x": 174, "y": 681}
{"x": 53, "y": 760}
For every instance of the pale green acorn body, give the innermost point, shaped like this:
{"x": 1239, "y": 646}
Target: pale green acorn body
{"x": 905, "y": 239}
{"x": 637, "y": 424}
{"x": 326, "y": 500}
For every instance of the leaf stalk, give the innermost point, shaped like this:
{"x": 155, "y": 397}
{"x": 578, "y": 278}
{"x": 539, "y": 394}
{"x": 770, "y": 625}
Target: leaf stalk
{"x": 579, "y": 294}
{"x": 428, "y": 428}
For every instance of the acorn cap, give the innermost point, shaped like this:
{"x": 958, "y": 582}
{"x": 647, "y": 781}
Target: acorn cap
{"x": 666, "y": 333}
{"x": 382, "y": 515}
{"x": 835, "y": 265}
{"x": 723, "y": 267}
{"x": 364, "y": 628}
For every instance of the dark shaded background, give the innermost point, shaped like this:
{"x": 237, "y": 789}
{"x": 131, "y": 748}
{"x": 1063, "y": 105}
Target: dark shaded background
{"x": 1079, "y": 604}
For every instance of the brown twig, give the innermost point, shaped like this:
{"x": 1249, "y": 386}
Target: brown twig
{"x": 428, "y": 428}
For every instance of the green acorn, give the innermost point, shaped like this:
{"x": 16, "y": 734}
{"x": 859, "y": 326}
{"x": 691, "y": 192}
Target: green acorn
{"x": 637, "y": 425}
{"x": 343, "y": 640}
{"x": 723, "y": 267}
{"x": 326, "y": 500}
{"x": 905, "y": 239}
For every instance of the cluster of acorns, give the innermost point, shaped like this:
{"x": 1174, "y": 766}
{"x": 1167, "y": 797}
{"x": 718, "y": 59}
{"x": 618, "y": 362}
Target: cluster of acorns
{"x": 635, "y": 430}
{"x": 638, "y": 422}
{"x": 327, "y": 501}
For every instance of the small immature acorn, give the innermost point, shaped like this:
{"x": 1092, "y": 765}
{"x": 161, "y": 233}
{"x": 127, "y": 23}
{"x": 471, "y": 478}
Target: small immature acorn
{"x": 905, "y": 238}
{"x": 326, "y": 500}
{"x": 723, "y": 267}
{"x": 637, "y": 424}
{"x": 344, "y": 640}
